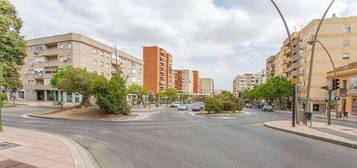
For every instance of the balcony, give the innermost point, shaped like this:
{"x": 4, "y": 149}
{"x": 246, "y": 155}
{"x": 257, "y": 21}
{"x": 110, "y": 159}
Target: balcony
{"x": 38, "y": 87}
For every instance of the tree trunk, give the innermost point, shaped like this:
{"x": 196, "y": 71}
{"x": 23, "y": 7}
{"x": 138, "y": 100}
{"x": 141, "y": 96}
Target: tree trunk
{"x": 0, "y": 118}
{"x": 142, "y": 100}
{"x": 85, "y": 101}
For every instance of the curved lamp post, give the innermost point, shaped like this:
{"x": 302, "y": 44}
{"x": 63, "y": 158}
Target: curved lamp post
{"x": 334, "y": 77}
{"x": 291, "y": 49}
{"x": 312, "y": 59}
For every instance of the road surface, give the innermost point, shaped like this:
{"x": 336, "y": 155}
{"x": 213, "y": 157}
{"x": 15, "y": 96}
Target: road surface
{"x": 178, "y": 139}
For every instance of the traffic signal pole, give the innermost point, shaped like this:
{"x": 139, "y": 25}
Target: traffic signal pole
{"x": 329, "y": 107}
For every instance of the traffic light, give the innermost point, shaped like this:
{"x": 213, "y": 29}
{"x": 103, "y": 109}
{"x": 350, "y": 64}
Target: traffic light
{"x": 335, "y": 84}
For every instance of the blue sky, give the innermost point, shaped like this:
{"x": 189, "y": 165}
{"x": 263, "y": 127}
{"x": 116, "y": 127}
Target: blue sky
{"x": 220, "y": 38}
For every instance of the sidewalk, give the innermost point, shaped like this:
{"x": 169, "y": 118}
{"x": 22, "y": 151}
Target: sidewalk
{"x": 336, "y": 134}
{"x": 44, "y": 103}
{"x": 351, "y": 118}
{"x": 30, "y": 149}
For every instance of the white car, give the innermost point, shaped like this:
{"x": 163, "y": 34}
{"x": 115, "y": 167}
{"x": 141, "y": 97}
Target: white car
{"x": 174, "y": 104}
{"x": 182, "y": 107}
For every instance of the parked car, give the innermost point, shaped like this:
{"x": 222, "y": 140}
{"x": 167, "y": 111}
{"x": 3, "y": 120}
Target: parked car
{"x": 201, "y": 104}
{"x": 175, "y": 104}
{"x": 182, "y": 107}
{"x": 197, "y": 107}
{"x": 267, "y": 108}
{"x": 249, "y": 106}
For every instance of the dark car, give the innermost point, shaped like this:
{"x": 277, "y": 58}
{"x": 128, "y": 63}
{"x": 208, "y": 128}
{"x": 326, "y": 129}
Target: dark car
{"x": 267, "y": 108}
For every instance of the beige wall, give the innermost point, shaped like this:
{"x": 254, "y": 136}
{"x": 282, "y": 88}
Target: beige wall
{"x": 76, "y": 50}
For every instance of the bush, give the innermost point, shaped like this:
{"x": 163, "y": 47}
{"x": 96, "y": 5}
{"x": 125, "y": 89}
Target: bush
{"x": 214, "y": 104}
{"x": 222, "y": 103}
{"x": 111, "y": 95}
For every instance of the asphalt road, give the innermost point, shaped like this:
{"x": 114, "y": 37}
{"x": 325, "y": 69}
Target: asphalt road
{"x": 177, "y": 139}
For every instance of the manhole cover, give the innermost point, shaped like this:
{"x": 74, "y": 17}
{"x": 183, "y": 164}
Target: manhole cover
{"x": 8, "y": 145}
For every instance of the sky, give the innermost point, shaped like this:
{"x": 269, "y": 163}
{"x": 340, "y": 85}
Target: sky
{"x": 220, "y": 38}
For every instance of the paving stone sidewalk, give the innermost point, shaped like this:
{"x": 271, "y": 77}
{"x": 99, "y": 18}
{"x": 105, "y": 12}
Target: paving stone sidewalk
{"x": 30, "y": 149}
{"x": 336, "y": 134}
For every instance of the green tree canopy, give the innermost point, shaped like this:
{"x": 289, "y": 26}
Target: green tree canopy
{"x": 74, "y": 80}
{"x": 138, "y": 90}
{"x": 111, "y": 94}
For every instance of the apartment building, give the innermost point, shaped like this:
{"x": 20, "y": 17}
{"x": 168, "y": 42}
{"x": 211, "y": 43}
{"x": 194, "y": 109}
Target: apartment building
{"x": 45, "y": 55}
{"x": 206, "y": 86}
{"x": 337, "y": 35}
{"x": 348, "y": 87}
{"x": 196, "y": 81}
{"x": 245, "y": 82}
{"x": 158, "y": 73}
{"x": 184, "y": 81}
{"x": 270, "y": 67}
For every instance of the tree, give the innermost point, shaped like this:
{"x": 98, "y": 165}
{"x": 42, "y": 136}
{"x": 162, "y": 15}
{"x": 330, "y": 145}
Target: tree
{"x": 111, "y": 94}
{"x": 2, "y": 98}
{"x": 74, "y": 80}
{"x": 138, "y": 90}
{"x": 171, "y": 94}
{"x": 11, "y": 78}
{"x": 12, "y": 46}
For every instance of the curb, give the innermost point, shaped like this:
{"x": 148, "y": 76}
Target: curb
{"x": 81, "y": 157}
{"x": 94, "y": 120}
{"x": 350, "y": 145}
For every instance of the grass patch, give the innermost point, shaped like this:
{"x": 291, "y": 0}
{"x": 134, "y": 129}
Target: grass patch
{"x": 9, "y": 106}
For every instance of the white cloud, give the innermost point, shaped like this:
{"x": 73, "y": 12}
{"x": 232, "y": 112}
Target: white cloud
{"x": 220, "y": 42}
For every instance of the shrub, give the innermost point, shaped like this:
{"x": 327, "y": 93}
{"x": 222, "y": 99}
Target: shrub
{"x": 230, "y": 105}
{"x": 240, "y": 106}
{"x": 111, "y": 94}
{"x": 214, "y": 104}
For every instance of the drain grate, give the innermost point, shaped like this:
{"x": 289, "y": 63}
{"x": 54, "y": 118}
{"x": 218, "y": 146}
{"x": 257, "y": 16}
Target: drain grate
{"x": 8, "y": 145}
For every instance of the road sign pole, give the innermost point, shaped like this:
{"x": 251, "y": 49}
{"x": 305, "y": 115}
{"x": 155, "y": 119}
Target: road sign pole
{"x": 329, "y": 107}
{"x": 293, "y": 107}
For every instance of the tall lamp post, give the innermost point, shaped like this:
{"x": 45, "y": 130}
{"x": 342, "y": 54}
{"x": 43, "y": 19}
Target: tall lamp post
{"x": 307, "y": 104}
{"x": 334, "y": 77}
{"x": 290, "y": 48}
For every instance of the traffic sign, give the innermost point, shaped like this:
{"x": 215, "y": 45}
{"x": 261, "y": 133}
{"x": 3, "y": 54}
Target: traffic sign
{"x": 295, "y": 80}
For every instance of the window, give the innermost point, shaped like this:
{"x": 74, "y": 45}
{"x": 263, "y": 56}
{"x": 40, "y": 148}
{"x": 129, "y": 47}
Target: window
{"x": 61, "y": 46}
{"x": 61, "y": 58}
{"x": 69, "y": 58}
{"x": 30, "y": 60}
{"x": 95, "y": 62}
{"x": 346, "y": 43}
{"x": 39, "y": 59}
{"x": 344, "y": 84}
{"x": 346, "y": 56}
{"x": 107, "y": 65}
{"x": 348, "y": 29}
{"x": 69, "y": 45}
{"x": 94, "y": 51}
{"x": 101, "y": 53}
{"x": 101, "y": 63}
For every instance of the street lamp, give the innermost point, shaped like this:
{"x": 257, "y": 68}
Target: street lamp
{"x": 334, "y": 77}
{"x": 290, "y": 48}
{"x": 312, "y": 59}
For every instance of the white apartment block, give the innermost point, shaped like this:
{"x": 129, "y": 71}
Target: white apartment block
{"x": 206, "y": 86}
{"x": 45, "y": 55}
{"x": 246, "y": 82}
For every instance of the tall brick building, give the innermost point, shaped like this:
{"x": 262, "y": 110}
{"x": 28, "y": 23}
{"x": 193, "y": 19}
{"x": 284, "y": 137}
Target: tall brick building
{"x": 158, "y": 74}
{"x": 196, "y": 81}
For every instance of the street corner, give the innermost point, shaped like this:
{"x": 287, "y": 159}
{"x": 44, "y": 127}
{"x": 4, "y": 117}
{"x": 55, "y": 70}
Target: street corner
{"x": 336, "y": 134}
{"x": 25, "y": 148}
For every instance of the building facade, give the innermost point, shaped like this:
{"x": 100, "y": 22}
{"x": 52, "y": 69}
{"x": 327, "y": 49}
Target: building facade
{"x": 245, "y": 82}
{"x": 340, "y": 39}
{"x": 158, "y": 73}
{"x": 348, "y": 87}
{"x": 45, "y": 55}
{"x": 184, "y": 82}
{"x": 206, "y": 86}
{"x": 196, "y": 81}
